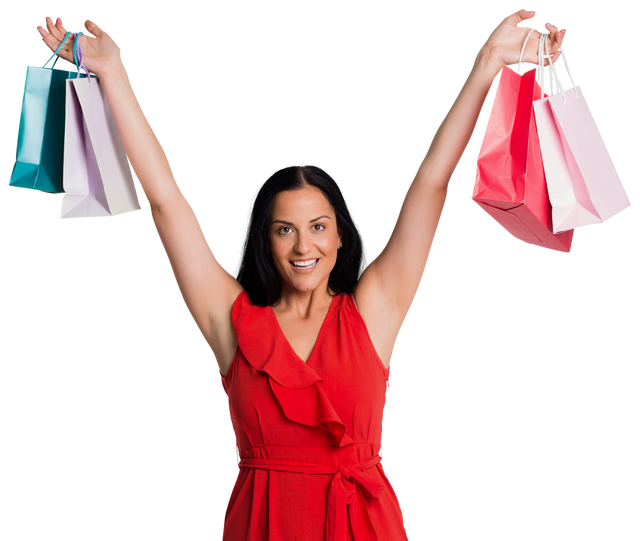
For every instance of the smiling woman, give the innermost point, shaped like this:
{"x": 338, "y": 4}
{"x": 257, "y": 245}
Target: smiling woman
{"x": 299, "y": 214}
{"x": 304, "y": 336}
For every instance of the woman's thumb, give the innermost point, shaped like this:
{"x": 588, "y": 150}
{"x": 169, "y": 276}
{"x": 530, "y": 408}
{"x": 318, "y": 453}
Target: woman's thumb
{"x": 93, "y": 28}
{"x": 526, "y": 15}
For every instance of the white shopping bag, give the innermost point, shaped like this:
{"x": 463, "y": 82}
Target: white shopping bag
{"x": 583, "y": 185}
{"x": 96, "y": 176}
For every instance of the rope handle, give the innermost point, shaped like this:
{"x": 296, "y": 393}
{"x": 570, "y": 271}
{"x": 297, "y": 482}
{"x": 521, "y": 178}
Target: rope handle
{"x": 77, "y": 55}
{"x": 543, "y": 46}
{"x": 523, "y": 46}
{"x": 553, "y": 71}
{"x": 53, "y": 60}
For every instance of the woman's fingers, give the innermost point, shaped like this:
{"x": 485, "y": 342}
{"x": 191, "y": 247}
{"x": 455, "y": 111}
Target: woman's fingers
{"x": 554, "y": 42}
{"x": 48, "y": 31}
{"x": 60, "y": 28}
{"x": 49, "y": 40}
{"x": 53, "y": 37}
{"x": 55, "y": 32}
{"x": 555, "y": 37}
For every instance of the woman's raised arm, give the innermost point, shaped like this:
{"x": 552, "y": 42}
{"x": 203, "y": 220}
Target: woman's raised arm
{"x": 396, "y": 274}
{"x": 205, "y": 284}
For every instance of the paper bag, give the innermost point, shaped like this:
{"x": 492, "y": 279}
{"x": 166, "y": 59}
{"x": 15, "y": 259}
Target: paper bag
{"x": 584, "y": 187}
{"x": 40, "y": 137}
{"x": 510, "y": 183}
{"x": 97, "y": 177}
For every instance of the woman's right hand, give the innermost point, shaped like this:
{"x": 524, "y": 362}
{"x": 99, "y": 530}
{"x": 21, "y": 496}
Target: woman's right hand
{"x": 100, "y": 54}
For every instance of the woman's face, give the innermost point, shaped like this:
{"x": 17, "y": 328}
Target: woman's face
{"x": 303, "y": 237}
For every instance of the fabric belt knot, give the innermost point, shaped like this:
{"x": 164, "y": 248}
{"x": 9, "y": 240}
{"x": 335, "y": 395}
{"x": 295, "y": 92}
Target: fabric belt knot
{"x": 346, "y": 498}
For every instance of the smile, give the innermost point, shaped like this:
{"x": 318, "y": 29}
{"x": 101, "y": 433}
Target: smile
{"x": 304, "y": 265}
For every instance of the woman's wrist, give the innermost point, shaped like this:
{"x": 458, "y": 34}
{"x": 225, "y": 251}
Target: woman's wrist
{"x": 488, "y": 62}
{"x": 113, "y": 69}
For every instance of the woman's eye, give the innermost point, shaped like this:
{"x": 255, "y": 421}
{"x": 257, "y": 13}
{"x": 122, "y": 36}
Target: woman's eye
{"x": 282, "y": 229}
{"x": 318, "y": 227}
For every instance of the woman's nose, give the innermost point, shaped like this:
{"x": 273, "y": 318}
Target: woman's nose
{"x": 303, "y": 243}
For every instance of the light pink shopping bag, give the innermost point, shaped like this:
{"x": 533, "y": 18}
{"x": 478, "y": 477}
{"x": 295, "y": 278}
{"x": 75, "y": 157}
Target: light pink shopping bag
{"x": 97, "y": 179}
{"x": 583, "y": 185}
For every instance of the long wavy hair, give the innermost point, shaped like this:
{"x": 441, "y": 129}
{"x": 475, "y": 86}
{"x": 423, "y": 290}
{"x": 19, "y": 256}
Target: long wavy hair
{"x": 257, "y": 273}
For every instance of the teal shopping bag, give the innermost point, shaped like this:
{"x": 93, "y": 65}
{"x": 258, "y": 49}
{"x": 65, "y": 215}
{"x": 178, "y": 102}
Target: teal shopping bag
{"x": 40, "y": 138}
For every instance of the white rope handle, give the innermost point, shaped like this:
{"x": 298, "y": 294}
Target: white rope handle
{"x": 557, "y": 83}
{"x": 543, "y": 46}
{"x": 523, "y": 46}
{"x": 568, "y": 70}
{"x": 542, "y": 43}
{"x": 541, "y": 72}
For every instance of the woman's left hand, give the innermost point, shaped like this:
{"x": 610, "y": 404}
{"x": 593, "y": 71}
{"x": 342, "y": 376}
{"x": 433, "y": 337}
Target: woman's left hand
{"x": 505, "y": 43}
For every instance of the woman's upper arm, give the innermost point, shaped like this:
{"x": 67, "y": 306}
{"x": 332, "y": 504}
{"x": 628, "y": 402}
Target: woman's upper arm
{"x": 208, "y": 290}
{"x": 395, "y": 276}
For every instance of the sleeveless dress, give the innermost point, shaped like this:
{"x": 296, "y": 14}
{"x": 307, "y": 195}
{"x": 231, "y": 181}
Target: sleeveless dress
{"x": 308, "y": 434}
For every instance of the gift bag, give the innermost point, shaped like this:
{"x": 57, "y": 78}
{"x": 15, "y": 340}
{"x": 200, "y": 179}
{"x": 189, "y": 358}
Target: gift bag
{"x": 583, "y": 185}
{"x": 510, "y": 183}
{"x": 40, "y": 137}
{"x": 97, "y": 177}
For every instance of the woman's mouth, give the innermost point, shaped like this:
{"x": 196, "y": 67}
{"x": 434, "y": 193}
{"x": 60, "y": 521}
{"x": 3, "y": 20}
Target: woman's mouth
{"x": 304, "y": 265}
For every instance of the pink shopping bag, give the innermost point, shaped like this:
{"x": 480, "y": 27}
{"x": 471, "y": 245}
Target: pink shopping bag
{"x": 510, "y": 183}
{"x": 583, "y": 185}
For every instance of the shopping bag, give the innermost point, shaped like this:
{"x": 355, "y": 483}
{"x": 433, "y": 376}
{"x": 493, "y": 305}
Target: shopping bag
{"x": 510, "y": 183}
{"x": 40, "y": 137}
{"x": 96, "y": 173}
{"x": 584, "y": 187}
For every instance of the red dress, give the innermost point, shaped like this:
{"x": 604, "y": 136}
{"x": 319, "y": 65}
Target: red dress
{"x": 308, "y": 434}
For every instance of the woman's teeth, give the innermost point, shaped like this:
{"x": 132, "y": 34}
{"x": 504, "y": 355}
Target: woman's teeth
{"x": 305, "y": 264}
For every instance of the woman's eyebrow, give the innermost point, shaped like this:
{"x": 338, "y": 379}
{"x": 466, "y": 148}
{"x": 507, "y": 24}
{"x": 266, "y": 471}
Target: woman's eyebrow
{"x": 291, "y": 223}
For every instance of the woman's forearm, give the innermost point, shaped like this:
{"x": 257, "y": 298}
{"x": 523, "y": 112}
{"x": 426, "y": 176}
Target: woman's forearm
{"x": 140, "y": 143}
{"x": 455, "y": 131}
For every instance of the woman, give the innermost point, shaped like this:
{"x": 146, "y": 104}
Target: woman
{"x": 302, "y": 339}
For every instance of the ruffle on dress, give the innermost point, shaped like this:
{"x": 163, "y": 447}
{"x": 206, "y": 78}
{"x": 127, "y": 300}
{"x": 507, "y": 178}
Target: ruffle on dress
{"x": 296, "y": 386}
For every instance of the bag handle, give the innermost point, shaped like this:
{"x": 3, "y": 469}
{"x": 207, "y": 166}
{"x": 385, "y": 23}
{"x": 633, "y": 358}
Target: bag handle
{"x": 77, "y": 55}
{"x": 556, "y": 79}
{"x": 543, "y": 76}
{"x": 53, "y": 60}
{"x": 542, "y": 47}
{"x": 540, "y": 73}
{"x": 523, "y": 46}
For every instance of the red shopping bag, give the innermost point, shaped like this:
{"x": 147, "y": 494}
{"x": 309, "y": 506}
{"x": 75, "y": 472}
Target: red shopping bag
{"x": 510, "y": 182}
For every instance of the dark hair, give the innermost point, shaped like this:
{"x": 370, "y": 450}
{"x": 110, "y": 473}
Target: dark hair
{"x": 258, "y": 274}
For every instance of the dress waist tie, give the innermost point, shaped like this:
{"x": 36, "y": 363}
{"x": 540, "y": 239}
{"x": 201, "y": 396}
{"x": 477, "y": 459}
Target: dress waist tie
{"x": 342, "y": 492}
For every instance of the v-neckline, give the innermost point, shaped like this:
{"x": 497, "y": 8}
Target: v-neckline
{"x": 315, "y": 345}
